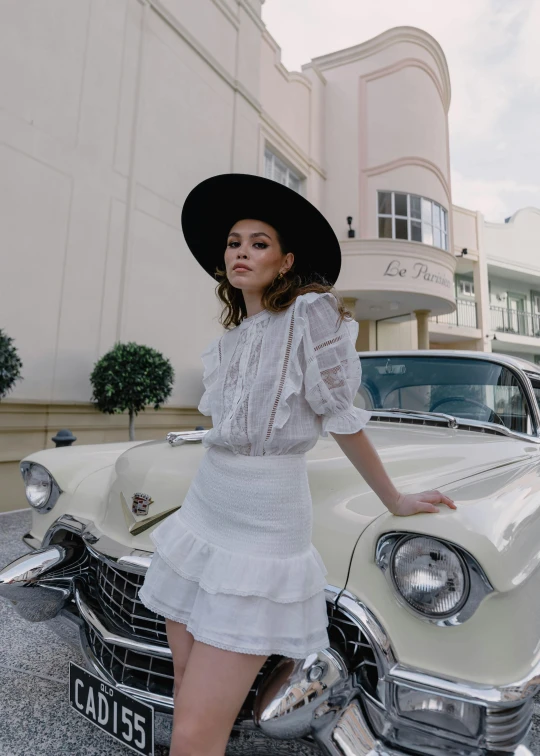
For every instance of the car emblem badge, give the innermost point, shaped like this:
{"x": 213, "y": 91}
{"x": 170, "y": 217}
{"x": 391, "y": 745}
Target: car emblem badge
{"x": 141, "y": 504}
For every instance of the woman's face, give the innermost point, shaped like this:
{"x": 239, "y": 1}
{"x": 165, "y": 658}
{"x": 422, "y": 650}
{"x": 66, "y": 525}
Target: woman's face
{"x": 253, "y": 257}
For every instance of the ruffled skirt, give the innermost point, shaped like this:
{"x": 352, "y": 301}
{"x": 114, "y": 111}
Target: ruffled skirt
{"x": 236, "y": 564}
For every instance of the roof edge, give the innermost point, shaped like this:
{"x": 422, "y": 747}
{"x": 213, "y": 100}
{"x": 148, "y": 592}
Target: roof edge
{"x": 382, "y": 41}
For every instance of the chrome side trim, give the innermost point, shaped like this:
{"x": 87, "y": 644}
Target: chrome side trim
{"x": 94, "y": 620}
{"x": 493, "y": 696}
{"x": 478, "y": 583}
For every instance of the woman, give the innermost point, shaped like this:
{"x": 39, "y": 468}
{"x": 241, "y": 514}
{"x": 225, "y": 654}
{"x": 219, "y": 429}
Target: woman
{"x": 234, "y": 572}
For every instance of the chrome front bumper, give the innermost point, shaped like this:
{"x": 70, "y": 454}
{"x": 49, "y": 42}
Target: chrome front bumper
{"x": 329, "y": 714}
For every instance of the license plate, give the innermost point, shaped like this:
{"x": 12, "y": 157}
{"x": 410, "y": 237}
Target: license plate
{"x": 123, "y": 717}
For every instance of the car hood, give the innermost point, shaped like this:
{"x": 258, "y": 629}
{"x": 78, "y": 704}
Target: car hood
{"x": 415, "y": 457}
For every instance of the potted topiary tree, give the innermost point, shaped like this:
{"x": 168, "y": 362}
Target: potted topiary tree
{"x": 131, "y": 377}
{"x": 10, "y": 364}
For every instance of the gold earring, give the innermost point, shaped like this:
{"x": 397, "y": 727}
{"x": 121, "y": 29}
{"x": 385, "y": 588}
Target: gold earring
{"x": 280, "y": 276}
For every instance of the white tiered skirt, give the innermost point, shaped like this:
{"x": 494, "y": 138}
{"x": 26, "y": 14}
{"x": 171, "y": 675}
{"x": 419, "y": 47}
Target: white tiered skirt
{"x": 236, "y": 563}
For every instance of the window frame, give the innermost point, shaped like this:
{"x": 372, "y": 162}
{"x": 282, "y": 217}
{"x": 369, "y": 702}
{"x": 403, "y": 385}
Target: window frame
{"x": 290, "y": 170}
{"x": 440, "y": 228}
{"x": 460, "y": 280}
{"x": 535, "y": 316}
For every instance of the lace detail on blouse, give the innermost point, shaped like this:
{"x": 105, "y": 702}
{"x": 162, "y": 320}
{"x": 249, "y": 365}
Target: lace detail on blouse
{"x": 238, "y": 382}
{"x": 282, "y": 379}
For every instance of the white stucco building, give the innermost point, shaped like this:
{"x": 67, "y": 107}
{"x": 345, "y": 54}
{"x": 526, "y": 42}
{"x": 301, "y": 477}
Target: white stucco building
{"x": 114, "y": 109}
{"x": 497, "y": 286}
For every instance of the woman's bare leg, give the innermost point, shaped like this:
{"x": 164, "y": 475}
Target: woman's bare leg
{"x": 180, "y": 643}
{"x": 214, "y": 686}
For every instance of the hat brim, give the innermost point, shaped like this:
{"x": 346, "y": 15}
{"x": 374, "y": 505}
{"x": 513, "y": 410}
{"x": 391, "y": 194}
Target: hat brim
{"x": 213, "y": 207}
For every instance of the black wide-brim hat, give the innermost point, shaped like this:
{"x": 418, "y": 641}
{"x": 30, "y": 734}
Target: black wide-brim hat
{"x": 213, "y": 207}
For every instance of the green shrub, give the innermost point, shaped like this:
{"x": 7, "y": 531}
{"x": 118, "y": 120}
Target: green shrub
{"x": 10, "y": 364}
{"x": 131, "y": 377}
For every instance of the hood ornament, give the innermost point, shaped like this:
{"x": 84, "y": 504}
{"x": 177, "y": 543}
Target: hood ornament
{"x": 175, "y": 438}
{"x": 140, "y": 504}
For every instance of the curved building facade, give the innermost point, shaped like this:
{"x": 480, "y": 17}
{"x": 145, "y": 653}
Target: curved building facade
{"x": 388, "y": 166}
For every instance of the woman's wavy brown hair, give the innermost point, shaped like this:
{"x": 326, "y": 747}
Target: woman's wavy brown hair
{"x": 279, "y": 295}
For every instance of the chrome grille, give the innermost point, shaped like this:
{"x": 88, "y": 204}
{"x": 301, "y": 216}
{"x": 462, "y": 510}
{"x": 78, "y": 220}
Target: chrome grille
{"x": 348, "y": 636}
{"x": 116, "y": 591}
{"x": 77, "y": 566}
{"x": 141, "y": 671}
{"x": 151, "y": 674}
{"x": 506, "y": 728}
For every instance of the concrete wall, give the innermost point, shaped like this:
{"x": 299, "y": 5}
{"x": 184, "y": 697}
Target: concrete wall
{"x": 103, "y": 104}
{"x": 466, "y": 236}
{"x": 517, "y": 243}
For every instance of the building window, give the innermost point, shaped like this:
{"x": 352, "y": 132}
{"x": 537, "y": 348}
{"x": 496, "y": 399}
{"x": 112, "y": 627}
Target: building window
{"x": 277, "y": 170}
{"x": 465, "y": 287}
{"x": 413, "y": 218}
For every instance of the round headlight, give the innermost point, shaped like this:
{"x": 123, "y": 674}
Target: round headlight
{"x": 41, "y": 489}
{"x": 430, "y": 576}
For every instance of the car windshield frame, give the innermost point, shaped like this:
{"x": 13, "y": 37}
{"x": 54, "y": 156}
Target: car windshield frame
{"x": 395, "y": 364}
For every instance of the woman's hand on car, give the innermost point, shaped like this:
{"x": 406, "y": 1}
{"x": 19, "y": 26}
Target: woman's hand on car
{"x": 417, "y": 503}
{"x": 365, "y": 458}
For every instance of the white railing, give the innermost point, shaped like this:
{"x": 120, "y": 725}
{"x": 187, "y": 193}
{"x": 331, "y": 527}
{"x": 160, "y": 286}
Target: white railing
{"x": 465, "y": 315}
{"x": 515, "y": 321}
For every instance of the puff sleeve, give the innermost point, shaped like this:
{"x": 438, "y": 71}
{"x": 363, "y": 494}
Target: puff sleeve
{"x": 332, "y": 370}
{"x": 211, "y": 359}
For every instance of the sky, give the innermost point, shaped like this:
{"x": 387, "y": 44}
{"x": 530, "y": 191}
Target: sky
{"x": 493, "y": 52}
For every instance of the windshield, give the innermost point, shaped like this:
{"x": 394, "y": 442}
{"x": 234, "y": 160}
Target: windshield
{"x": 469, "y": 389}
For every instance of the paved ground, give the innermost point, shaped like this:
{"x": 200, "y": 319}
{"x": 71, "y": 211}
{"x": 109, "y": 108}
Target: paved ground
{"x": 36, "y": 717}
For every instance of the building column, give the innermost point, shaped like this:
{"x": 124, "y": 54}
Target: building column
{"x": 422, "y": 325}
{"x": 367, "y": 329}
{"x": 367, "y": 336}
{"x": 481, "y": 290}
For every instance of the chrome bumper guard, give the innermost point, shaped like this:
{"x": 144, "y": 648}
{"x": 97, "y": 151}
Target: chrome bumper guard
{"x": 317, "y": 700}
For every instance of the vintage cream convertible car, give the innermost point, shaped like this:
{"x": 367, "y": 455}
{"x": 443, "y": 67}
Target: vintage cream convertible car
{"x": 434, "y": 620}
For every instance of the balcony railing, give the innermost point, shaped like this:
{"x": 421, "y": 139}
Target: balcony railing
{"x": 515, "y": 321}
{"x": 465, "y": 315}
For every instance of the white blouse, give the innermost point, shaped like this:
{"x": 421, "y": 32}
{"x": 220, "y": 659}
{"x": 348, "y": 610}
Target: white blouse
{"x": 277, "y": 381}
